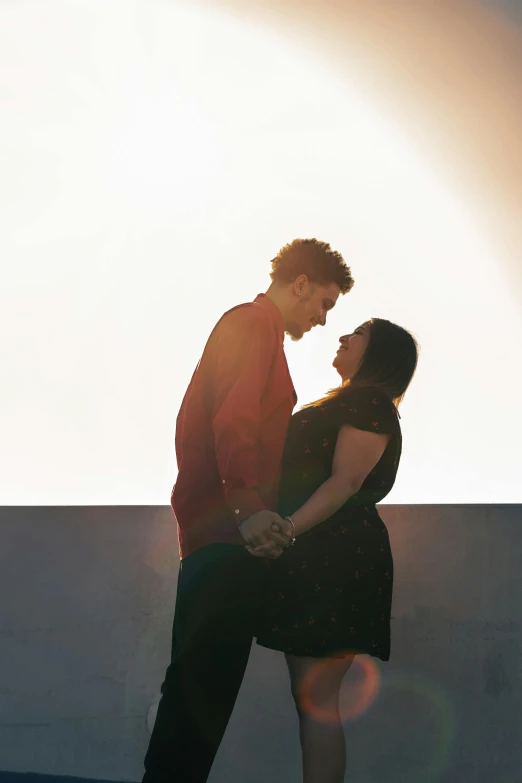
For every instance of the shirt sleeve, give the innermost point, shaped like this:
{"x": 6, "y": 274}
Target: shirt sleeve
{"x": 245, "y": 349}
{"x": 368, "y": 409}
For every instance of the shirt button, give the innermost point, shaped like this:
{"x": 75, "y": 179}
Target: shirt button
{"x": 237, "y": 511}
{"x": 223, "y": 481}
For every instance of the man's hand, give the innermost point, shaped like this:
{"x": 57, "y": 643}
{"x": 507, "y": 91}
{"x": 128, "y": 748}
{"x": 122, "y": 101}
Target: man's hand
{"x": 266, "y": 529}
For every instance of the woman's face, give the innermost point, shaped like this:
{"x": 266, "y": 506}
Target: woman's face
{"x": 351, "y": 351}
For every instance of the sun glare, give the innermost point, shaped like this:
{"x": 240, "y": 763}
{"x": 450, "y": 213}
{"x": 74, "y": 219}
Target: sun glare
{"x": 155, "y": 168}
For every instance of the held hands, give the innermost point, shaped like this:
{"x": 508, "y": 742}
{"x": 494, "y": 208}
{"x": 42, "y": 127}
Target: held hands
{"x": 266, "y": 534}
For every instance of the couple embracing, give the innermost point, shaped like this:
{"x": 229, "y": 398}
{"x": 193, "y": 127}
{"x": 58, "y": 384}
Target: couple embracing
{"x": 280, "y": 539}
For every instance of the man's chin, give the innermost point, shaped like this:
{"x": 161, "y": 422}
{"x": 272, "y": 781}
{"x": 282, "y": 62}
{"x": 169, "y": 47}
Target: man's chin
{"x": 294, "y": 335}
{"x": 295, "y": 332}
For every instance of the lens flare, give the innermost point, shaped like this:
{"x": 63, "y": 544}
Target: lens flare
{"x": 435, "y": 702}
{"x": 355, "y": 698}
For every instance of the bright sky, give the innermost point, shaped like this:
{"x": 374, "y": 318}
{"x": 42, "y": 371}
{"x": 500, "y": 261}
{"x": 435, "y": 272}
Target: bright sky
{"x": 154, "y": 158}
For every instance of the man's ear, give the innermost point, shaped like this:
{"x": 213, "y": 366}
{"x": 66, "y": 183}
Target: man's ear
{"x": 301, "y": 285}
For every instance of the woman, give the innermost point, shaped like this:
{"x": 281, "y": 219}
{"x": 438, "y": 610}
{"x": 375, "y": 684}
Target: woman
{"x": 329, "y": 596}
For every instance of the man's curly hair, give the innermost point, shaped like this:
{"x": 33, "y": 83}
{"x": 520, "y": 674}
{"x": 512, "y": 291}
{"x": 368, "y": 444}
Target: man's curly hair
{"x": 312, "y": 258}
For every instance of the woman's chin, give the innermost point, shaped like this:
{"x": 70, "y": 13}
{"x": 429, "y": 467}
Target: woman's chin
{"x": 335, "y": 365}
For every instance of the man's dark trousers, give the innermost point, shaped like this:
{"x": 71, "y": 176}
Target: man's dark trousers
{"x": 218, "y": 597}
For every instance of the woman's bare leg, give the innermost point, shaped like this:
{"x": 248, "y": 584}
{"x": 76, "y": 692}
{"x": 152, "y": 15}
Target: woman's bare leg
{"x": 316, "y": 685}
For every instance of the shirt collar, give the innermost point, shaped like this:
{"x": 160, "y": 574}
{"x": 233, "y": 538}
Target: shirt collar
{"x": 273, "y": 309}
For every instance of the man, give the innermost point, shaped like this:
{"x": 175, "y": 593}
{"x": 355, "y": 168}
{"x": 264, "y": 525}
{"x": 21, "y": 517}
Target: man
{"x": 230, "y": 434}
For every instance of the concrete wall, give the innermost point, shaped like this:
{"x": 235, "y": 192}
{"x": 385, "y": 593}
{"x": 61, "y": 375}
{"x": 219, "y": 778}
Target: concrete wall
{"x": 86, "y": 604}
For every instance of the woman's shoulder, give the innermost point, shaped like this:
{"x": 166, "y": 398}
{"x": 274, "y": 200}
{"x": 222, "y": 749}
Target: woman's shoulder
{"x": 365, "y": 407}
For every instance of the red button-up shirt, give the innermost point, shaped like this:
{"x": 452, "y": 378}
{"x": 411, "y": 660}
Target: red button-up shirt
{"x": 231, "y": 427}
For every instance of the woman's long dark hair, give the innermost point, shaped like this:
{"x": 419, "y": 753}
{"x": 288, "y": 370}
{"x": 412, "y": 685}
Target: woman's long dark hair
{"x": 389, "y": 362}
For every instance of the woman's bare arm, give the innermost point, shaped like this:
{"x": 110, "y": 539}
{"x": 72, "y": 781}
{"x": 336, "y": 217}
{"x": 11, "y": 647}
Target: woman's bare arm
{"x": 356, "y": 454}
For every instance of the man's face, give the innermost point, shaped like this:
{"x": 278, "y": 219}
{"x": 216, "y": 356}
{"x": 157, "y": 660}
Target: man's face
{"x": 313, "y": 301}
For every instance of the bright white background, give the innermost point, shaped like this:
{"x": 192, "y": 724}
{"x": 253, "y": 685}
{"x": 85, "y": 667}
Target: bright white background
{"x": 154, "y": 157}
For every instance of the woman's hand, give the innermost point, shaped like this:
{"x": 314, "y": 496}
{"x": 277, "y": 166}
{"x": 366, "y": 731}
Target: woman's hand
{"x": 268, "y": 549}
{"x": 265, "y": 554}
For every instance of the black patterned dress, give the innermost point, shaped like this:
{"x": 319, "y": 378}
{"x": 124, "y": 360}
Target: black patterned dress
{"x": 331, "y": 593}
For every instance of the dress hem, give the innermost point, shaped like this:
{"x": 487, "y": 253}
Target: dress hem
{"x": 322, "y": 654}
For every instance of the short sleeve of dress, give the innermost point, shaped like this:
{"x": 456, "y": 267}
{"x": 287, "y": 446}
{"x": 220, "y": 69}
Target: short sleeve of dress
{"x": 367, "y": 409}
